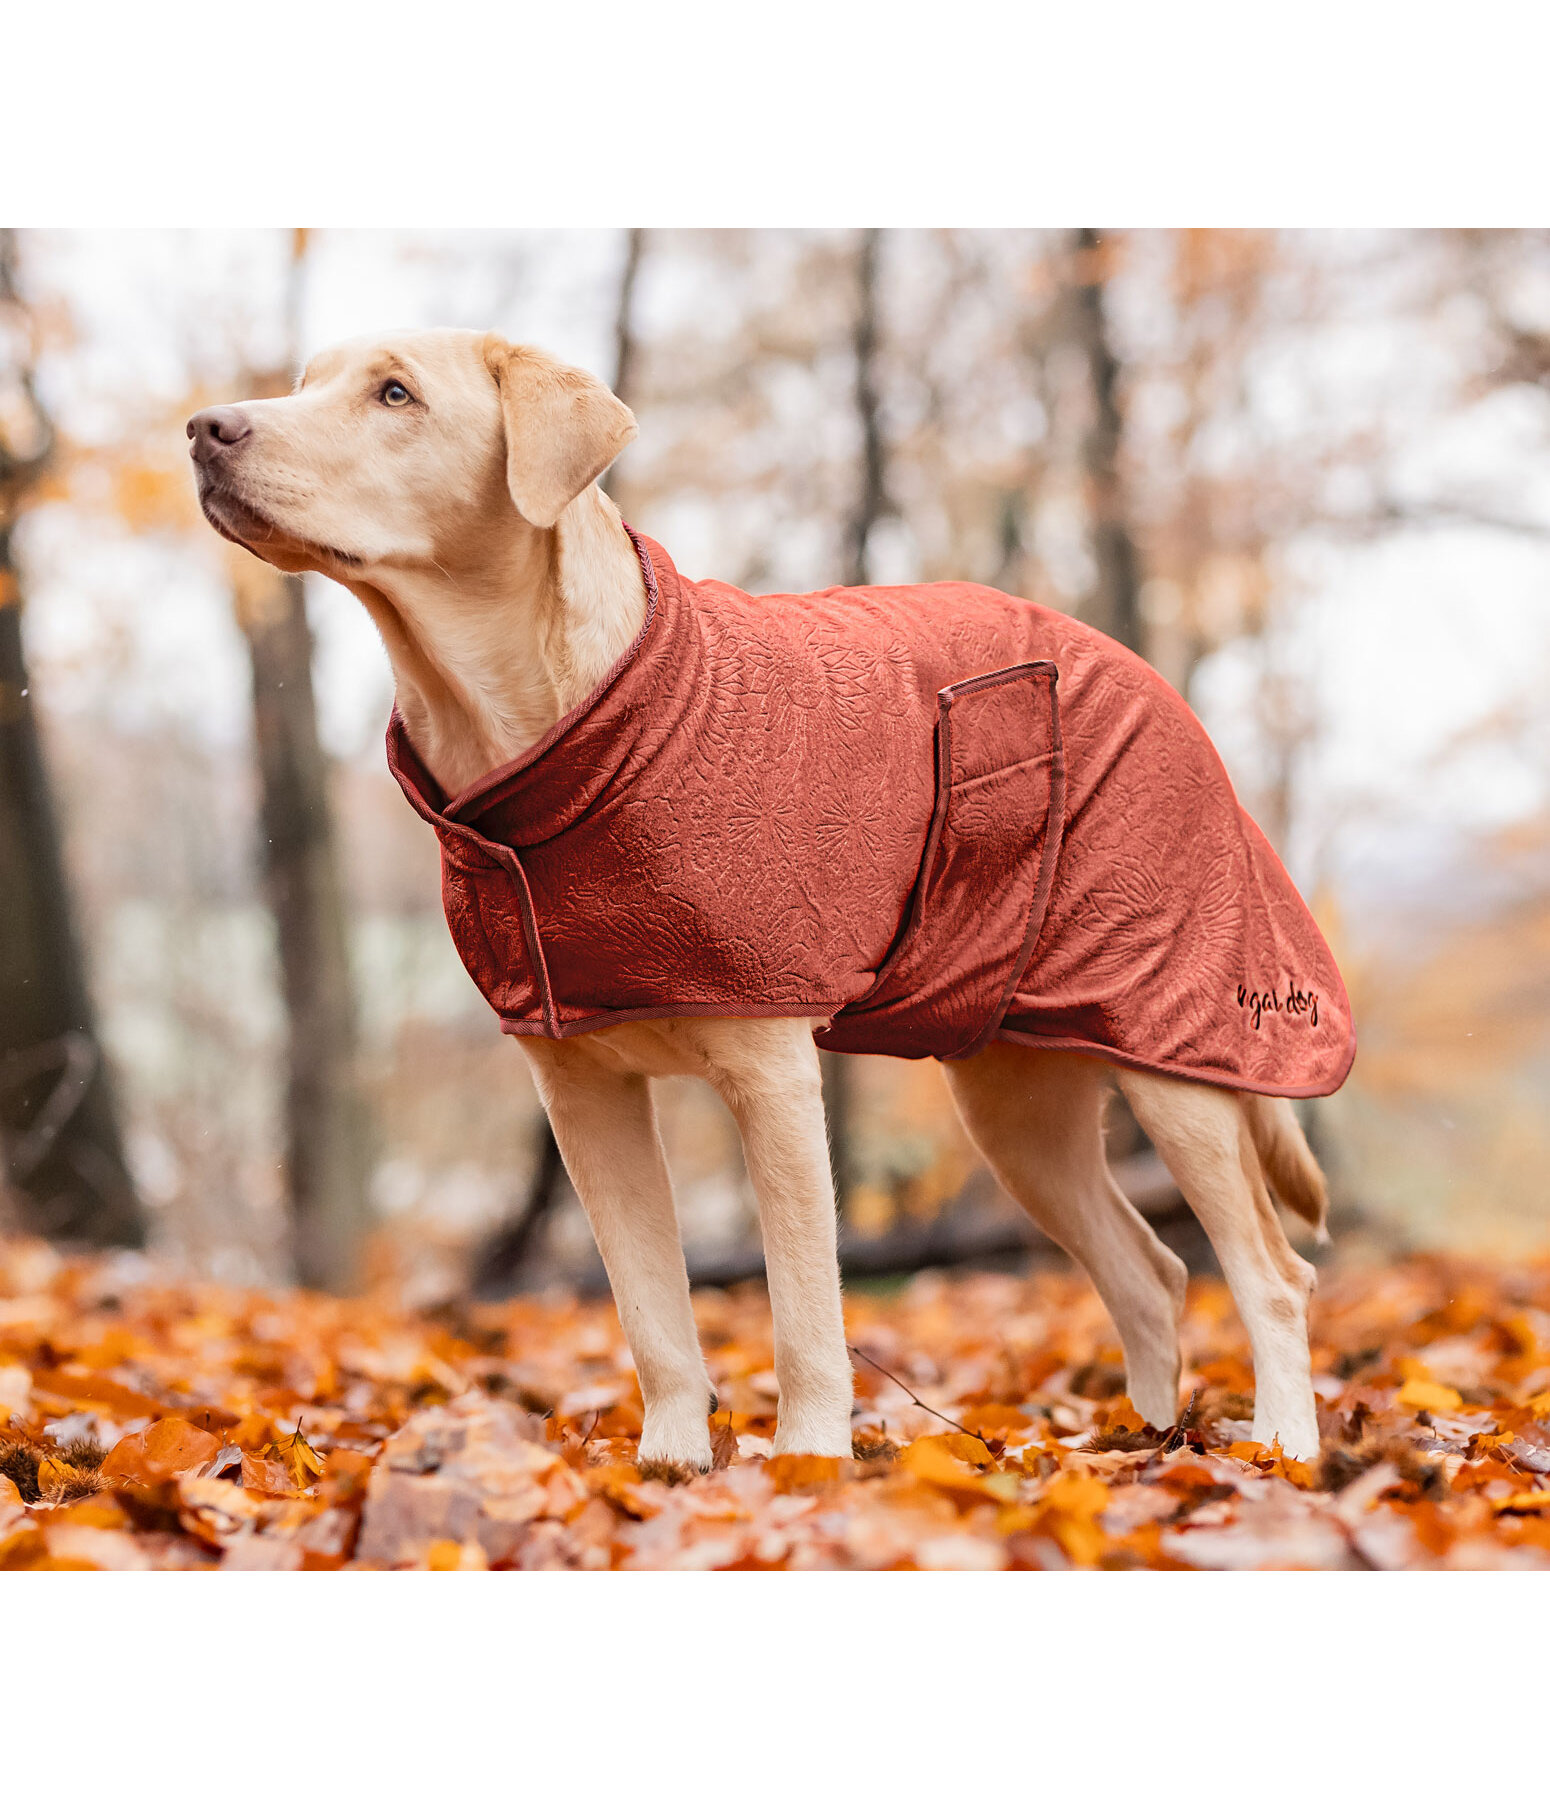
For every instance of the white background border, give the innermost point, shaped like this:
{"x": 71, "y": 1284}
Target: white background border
{"x": 606, "y": 114}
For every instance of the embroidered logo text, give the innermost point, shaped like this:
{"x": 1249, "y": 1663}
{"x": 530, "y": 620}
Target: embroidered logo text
{"x": 1296, "y": 1001}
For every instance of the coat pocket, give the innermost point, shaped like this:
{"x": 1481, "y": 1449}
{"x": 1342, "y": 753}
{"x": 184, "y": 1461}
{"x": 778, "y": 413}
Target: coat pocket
{"x": 985, "y": 873}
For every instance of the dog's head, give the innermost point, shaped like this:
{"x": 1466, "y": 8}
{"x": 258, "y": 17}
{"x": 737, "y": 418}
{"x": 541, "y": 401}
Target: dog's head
{"x": 417, "y": 451}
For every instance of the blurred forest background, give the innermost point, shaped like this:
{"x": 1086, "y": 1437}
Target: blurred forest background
{"x": 1307, "y": 475}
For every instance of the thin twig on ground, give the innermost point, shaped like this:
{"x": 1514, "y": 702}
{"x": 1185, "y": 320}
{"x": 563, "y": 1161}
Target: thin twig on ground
{"x": 1175, "y": 1438}
{"x": 916, "y": 1397}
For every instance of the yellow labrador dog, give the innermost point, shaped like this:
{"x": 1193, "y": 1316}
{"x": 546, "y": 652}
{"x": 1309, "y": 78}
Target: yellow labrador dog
{"x": 448, "y": 479}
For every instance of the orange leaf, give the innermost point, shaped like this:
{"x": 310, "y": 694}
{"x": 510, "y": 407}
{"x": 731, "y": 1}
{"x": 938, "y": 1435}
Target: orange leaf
{"x": 260, "y": 1476}
{"x": 103, "y": 1395}
{"x": 345, "y": 1474}
{"x": 253, "y": 1431}
{"x": 1483, "y": 1441}
{"x": 1189, "y": 1477}
{"x": 1121, "y": 1416}
{"x": 929, "y": 1459}
{"x": 967, "y": 1449}
{"x": 802, "y": 1474}
{"x": 167, "y": 1448}
{"x": 1434, "y": 1529}
{"x": 1481, "y": 1474}
{"x": 21, "y": 1541}
{"x": 102, "y": 1512}
{"x": 447, "y": 1554}
{"x": 1078, "y": 1496}
{"x": 621, "y": 1486}
{"x": 56, "y": 1477}
{"x": 1421, "y": 1395}
{"x": 1068, "y": 1510}
{"x": 1538, "y": 1501}
{"x": 1081, "y": 1540}
{"x": 1532, "y": 1529}
{"x": 96, "y": 1391}
{"x": 1301, "y": 1474}
{"x": 994, "y": 1419}
{"x": 1247, "y": 1450}
{"x": 298, "y": 1457}
{"x": 723, "y": 1446}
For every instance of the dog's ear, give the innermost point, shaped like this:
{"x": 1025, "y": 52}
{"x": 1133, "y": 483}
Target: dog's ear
{"x": 563, "y": 428}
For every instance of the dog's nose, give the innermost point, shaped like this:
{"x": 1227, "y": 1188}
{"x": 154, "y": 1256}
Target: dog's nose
{"x": 216, "y": 429}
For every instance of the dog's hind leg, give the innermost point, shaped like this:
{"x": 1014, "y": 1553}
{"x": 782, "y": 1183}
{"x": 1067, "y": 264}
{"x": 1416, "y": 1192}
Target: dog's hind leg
{"x": 1037, "y": 1118}
{"x": 1204, "y": 1136}
{"x": 605, "y": 1125}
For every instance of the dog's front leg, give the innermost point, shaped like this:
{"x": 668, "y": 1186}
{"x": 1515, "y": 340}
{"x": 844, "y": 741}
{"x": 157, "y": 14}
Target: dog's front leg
{"x": 777, "y": 1099}
{"x": 605, "y": 1125}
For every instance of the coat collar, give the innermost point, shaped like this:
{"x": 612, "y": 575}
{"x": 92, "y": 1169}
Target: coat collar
{"x": 541, "y": 786}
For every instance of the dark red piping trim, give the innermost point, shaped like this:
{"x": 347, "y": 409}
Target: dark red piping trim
{"x": 1054, "y": 837}
{"x": 565, "y": 1028}
{"x": 568, "y": 1028}
{"x": 1210, "y": 1077}
{"x": 535, "y": 947}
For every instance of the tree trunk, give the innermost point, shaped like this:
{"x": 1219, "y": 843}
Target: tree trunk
{"x": 326, "y": 1136}
{"x": 327, "y": 1139}
{"x": 1114, "y": 605}
{"x": 626, "y": 343}
{"x": 870, "y": 505}
{"x": 872, "y": 494}
{"x": 62, "y": 1156}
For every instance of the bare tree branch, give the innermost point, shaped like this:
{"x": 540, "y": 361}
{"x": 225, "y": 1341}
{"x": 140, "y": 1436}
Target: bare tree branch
{"x": 1433, "y": 515}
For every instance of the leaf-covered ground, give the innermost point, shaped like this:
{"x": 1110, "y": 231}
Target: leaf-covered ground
{"x": 156, "y": 1423}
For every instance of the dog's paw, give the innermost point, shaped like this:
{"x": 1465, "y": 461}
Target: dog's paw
{"x": 669, "y": 1473}
{"x": 678, "y": 1441}
{"x": 813, "y": 1438}
{"x": 1299, "y": 1439}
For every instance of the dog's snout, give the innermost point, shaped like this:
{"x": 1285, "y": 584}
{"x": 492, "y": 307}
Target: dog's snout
{"x": 216, "y": 429}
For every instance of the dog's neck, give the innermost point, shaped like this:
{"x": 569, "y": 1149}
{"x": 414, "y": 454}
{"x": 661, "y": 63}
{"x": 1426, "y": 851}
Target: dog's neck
{"x": 486, "y": 660}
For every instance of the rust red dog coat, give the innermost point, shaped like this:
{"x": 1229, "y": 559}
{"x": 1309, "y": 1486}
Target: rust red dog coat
{"x": 931, "y": 816}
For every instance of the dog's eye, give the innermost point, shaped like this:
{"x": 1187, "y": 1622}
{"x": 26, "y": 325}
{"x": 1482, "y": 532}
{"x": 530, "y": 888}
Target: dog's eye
{"x": 396, "y": 394}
